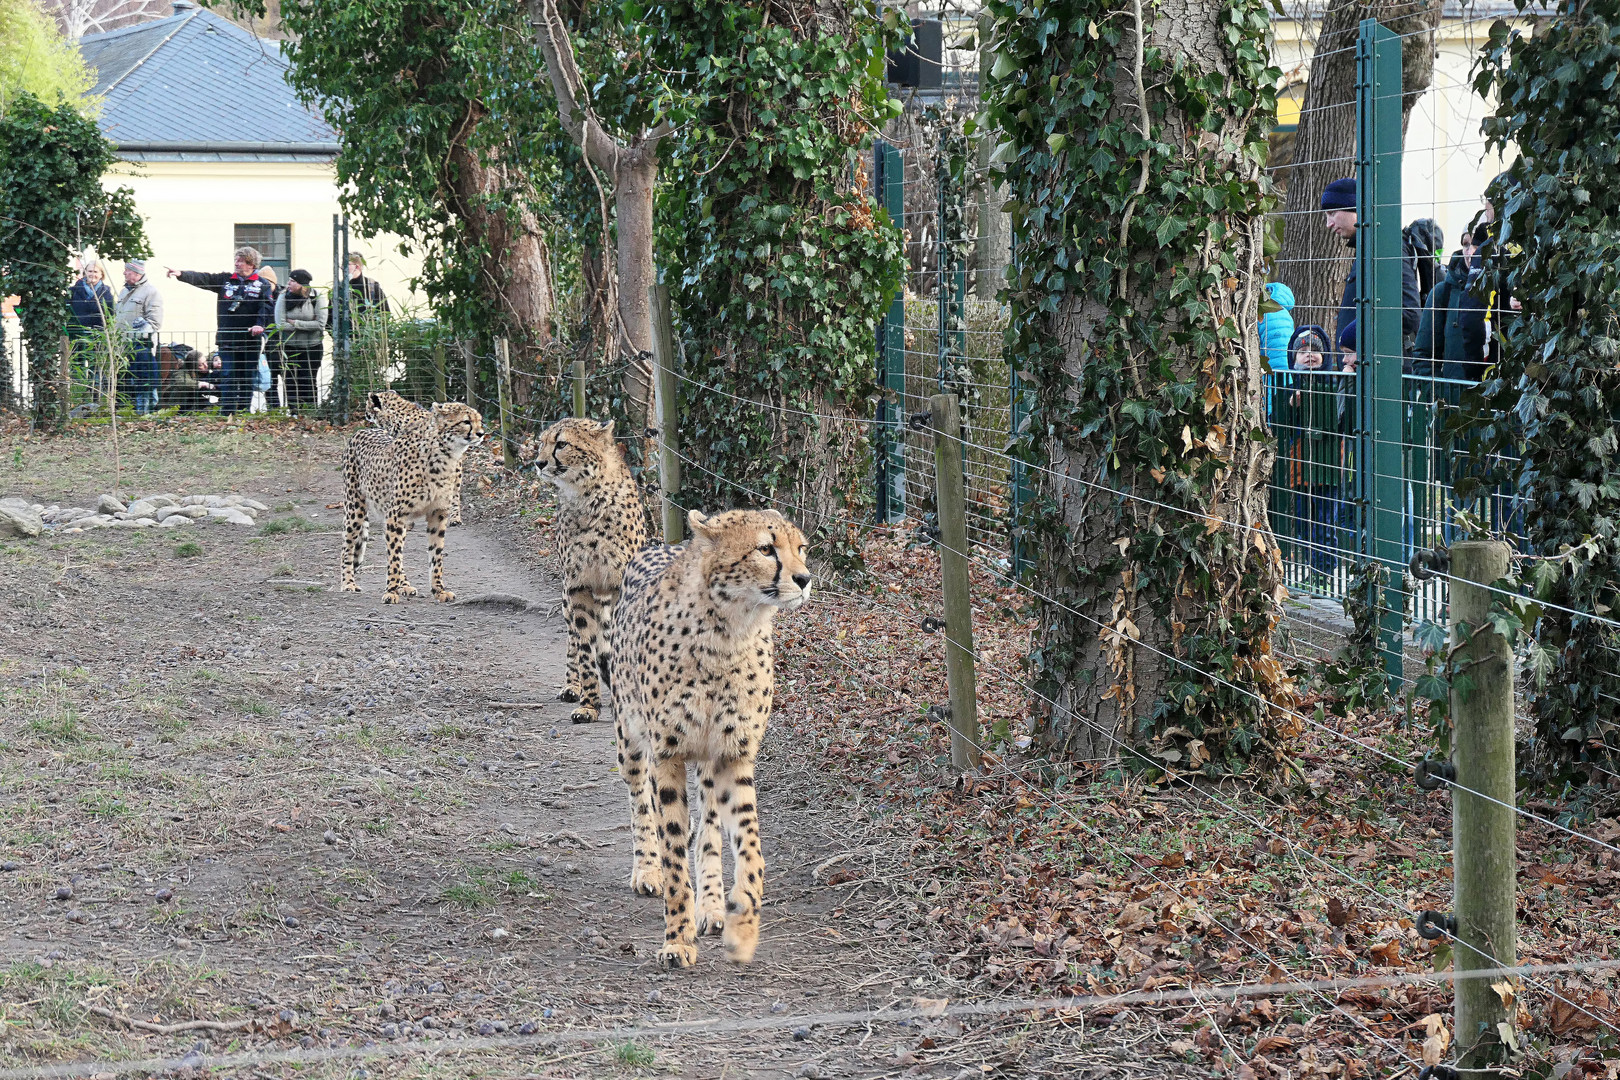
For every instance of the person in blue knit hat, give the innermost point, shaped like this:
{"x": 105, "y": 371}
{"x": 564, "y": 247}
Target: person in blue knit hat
{"x": 1339, "y": 204}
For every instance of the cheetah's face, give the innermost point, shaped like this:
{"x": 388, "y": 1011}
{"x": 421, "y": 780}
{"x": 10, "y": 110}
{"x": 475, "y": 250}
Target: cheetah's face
{"x": 459, "y": 425}
{"x": 382, "y": 404}
{"x": 755, "y": 558}
{"x": 571, "y": 452}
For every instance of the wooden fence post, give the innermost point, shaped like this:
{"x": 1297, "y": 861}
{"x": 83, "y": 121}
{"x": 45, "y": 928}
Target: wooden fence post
{"x": 579, "y": 388}
{"x": 503, "y": 390}
{"x": 65, "y": 381}
{"x": 1483, "y": 857}
{"x": 441, "y": 391}
{"x": 669, "y": 462}
{"x": 470, "y": 363}
{"x": 950, "y": 497}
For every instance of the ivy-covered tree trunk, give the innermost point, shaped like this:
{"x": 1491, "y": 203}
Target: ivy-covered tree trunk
{"x": 1135, "y": 293}
{"x": 1313, "y": 261}
{"x": 779, "y": 261}
{"x": 1547, "y": 413}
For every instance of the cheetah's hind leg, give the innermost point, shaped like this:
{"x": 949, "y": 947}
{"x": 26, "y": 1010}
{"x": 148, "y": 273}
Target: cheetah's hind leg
{"x": 587, "y": 623}
{"x": 355, "y": 533}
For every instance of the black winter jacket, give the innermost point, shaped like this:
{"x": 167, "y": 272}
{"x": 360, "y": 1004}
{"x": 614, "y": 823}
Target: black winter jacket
{"x": 1411, "y": 305}
{"x": 243, "y": 304}
{"x": 1453, "y": 329}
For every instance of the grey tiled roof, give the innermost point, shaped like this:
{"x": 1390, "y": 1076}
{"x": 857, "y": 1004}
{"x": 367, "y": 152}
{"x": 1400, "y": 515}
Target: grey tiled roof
{"x": 193, "y": 81}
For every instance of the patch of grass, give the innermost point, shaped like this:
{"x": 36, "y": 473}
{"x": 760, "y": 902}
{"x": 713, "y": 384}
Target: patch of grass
{"x": 104, "y": 804}
{"x": 188, "y": 550}
{"x": 251, "y": 706}
{"x": 517, "y": 879}
{"x": 634, "y": 1054}
{"x": 501, "y": 845}
{"x": 378, "y": 827}
{"x": 448, "y": 731}
{"x": 63, "y": 727}
{"x": 466, "y": 895}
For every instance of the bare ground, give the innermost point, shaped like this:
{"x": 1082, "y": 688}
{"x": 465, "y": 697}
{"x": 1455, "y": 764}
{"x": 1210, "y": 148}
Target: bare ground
{"x": 371, "y": 830}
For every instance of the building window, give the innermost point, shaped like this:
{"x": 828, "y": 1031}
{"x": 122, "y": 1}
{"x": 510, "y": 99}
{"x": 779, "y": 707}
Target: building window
{"x": 274, "y": 243}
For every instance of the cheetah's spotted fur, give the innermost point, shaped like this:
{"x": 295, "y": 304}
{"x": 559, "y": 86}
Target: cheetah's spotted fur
{"x": 599, "y": 527}
{"x": 691, "y": 681}
{"x": 394, "y": 414}
{"x": 403, "y": 476}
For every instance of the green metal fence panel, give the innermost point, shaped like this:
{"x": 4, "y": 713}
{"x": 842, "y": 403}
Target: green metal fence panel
{"x": 889, "y": 442}
{"x": 1380, "y": 496}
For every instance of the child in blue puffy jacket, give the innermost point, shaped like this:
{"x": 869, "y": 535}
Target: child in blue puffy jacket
{"x": 1276, "y": 327}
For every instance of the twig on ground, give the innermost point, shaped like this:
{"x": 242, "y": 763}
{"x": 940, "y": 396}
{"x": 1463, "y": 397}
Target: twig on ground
{"x": 171, "y": 1029}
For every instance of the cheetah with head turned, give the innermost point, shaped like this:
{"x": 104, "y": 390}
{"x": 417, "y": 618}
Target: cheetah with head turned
{"x": 394, "y": 414}
{"x": 599, "y": 527}
{"x": 403, "y": 476}
{"x": 691, "y": 679}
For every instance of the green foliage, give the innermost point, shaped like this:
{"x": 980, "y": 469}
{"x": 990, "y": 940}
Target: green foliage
{"x": 51, "y": 162}
{"x": 1134, "y": 347}
{"x": 38, "y": 60}
{"x": 412, "y": 86}
{"x": 778, "y": 260}
{"x": 1546, "y": 414}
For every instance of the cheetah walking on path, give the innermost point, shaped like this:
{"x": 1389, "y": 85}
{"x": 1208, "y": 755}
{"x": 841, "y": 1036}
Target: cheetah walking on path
{"x": 599, "y": 527}
{"x": 394, "y": 414}
{"x": 402, "y": 477}
{"x": 691, "y": 679}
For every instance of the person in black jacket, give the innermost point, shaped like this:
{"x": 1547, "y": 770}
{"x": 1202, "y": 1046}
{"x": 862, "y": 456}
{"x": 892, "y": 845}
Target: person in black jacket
{"x": 1456, "y": 331}
{"x": 1339, "y": 203}
{"x": 246, "y": 307}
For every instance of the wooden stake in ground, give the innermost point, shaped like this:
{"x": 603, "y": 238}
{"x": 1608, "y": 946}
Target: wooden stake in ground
{"x": 951, "y": 499}
{"x": 1484, "y": 862}
{"x": 669, "y": 413}
{"x": 503, "y": 390}
{"x": 579, "y": 388}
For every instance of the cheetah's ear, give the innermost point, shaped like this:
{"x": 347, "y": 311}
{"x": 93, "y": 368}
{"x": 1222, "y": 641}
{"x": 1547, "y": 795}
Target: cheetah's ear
{"x": 374, "y": 399}
{"x": 700, "y": 525}
{"x": 777, "y": 514}
{"x": 605, "y": 428}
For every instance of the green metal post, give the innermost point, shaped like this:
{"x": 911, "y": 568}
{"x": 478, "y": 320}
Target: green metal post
{"x": 891, "y": 473}
{"x": 1380, "y": 495}
{"x": 579, "y": 388}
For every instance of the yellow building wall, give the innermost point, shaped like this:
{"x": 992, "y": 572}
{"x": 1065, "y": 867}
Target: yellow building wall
{"x": 1446, "y": 166}
{"x": 192, "y": 210}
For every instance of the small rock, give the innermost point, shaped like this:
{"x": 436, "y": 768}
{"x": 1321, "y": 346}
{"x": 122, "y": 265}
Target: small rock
{"x": 75, "y": 915}
{"x": 143, "y": 508}
{"x": 231, "y": 515}
{"x": 329, "y": 836}
{"x": 778, "y": 1007}
{"x": 486, "y": 1028}
{"x": 810, "y": 1071}
{"x": 163, "y": 896}
{"x": 174, "y": 521}
{"x": 307, "y": 1041}
{"x": 287, "y": 1016}
{"x": 654, "y": 996}
{"x": 386, "y": 1010}
{"x": 529, "y": 1027}
{"x": 390, "y": 1030}
{"x": 182, "y": 943}
{"x": 109, "y": 505}
{"x": 800, "y": 1034}
{"x": 10, "y": 865}
{"x": 430, "y": 1023}
{"x": 64, "y": 892}
{"x": 291, "y": 922}
{"x": 435, "y": 988}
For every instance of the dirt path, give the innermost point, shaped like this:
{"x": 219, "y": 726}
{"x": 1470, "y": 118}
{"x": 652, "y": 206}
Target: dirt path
{"x": 270, "y": 799}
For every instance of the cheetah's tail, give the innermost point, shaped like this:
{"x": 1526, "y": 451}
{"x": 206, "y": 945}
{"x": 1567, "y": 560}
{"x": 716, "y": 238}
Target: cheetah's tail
{"x": 604, "y": 670}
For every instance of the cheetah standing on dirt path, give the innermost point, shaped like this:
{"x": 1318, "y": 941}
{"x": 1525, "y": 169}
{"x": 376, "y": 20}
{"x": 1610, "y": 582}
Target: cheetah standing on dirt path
{"x": 691, "y": 678}
{"x": 599, "y": 528}
{"x": 402, "y": 477}
{"x": 395, "y": 414}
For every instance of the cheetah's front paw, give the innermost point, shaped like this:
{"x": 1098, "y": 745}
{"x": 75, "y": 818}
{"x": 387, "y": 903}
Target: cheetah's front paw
{"x": 443, "y": 596}
{"x": 568, "y": 693}
{"x": 647, "y": 880}
{"x": 678, "y": 954}
{"x": 393, "y": 598}
{"x": 407, "y": 589}
{"x": 583, "y": 715}
{"x": 351, "y": 587}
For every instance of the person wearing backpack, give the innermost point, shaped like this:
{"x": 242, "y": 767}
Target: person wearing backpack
{"x": 301, "y": 321}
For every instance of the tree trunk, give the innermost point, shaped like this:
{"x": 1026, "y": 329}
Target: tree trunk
{"x": 1313, "y": 262}
{"x": 515, "y": 272}
{"x": 1136, "y": 319}
{"x": 634, "y": 182}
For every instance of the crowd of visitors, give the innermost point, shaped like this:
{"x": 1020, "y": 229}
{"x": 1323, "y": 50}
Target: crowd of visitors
{"x": 264, "y": 331}
{"x": 1447, "y": 343}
